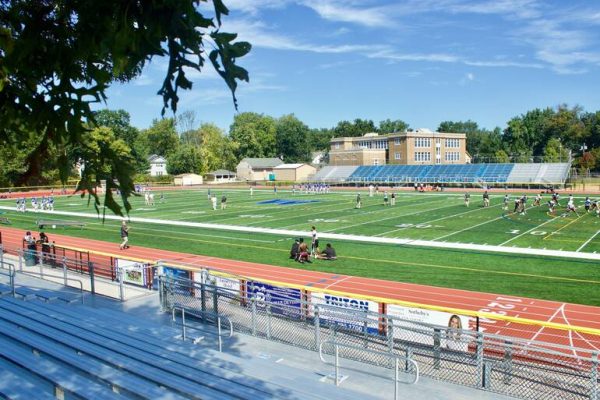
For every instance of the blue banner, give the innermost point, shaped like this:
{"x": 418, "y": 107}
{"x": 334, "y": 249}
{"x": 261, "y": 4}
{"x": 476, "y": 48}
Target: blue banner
{"x": 283, "y": 301}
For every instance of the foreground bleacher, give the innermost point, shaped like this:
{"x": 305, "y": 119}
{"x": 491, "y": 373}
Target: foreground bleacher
{"x": 51, "y": 350}
{"x": 548, "y": 173}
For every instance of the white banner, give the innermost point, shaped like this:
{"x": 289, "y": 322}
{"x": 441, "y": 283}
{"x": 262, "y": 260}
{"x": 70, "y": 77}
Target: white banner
{"x": 133, "y": 271}
{"x": 409, "y": 323}
{"x": 341, "y": 316}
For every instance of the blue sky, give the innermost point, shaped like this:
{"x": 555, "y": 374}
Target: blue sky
{"x": 421, "y": 61}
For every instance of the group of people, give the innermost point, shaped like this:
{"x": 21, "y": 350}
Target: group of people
{"x": 300, "y": 251}
{"x": 213, "y": 200}
{"x": 44, "y": 241}
{"x": 43, "y": 203}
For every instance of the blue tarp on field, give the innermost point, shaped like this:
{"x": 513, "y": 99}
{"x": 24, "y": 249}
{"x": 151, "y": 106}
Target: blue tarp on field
{"x": 281, "y": 202}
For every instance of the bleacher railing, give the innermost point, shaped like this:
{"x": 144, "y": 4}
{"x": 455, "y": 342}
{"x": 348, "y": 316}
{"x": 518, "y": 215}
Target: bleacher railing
{"x": 517, "y": 367}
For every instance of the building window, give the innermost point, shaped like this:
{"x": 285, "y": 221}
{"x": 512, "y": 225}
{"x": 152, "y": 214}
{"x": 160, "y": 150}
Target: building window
{"x": 376, "y": 161}
{"x": 397, "y": 156}
{"x": 422, "y": 142}
{"x": 452, "y": 156}
{"x": 397, "y": 141}
{"x": 422, "y": 156}
{"x": 454, "y": 143}
{"x": 337, "y": 146}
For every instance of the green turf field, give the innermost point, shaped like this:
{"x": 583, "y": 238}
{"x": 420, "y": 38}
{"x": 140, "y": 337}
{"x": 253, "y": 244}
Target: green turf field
{"x": 428, "y": 216}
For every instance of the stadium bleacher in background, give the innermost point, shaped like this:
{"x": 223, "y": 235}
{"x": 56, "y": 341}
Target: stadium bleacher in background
{"x": 549, "y": 173}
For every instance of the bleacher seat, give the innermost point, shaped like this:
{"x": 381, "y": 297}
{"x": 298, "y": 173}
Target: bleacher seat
{"x": 95, "y": 353}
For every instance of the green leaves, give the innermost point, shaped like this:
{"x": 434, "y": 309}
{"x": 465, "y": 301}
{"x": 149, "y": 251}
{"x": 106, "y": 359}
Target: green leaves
{"x": 56, "y": 57}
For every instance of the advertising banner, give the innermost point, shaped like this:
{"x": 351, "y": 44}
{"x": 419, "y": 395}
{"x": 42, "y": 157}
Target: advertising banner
{"x": 412, "y": 324}
{"x": 284, "y": 301}
{"x": 133, "y": 272}
{"x": 178, "y": 273}
{"x": 346, "y": 312}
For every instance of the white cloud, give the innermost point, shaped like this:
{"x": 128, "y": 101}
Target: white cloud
{"x": 335, "y": 10}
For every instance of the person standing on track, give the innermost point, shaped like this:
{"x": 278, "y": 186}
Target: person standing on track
{"x": 124, "y": 236}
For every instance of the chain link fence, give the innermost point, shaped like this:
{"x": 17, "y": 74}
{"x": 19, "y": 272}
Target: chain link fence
{"x": 500, "y": 364}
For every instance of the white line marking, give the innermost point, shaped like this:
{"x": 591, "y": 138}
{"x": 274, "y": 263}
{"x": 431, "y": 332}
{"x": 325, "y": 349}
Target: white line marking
{"x": 559, "y": 309}
{"x": 526, "y": 232}
{"x": 466, "y": 229}
{"x": 337, "y": 236}
{"x": 589, "y": 240}
{"x": 336, "y": 282}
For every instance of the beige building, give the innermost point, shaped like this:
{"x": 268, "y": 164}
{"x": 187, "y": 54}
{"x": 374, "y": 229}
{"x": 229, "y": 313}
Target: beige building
{"x": 421, "y": 146}
{"x": 187, "y": 180}
{"x": 257, "y": 169}
{"x": 294, "y": 172}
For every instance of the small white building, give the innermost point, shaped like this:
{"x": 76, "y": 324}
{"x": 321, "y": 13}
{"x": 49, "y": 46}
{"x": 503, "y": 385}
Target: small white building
{"x": 221, "y": 176}
{"x": 158, "y": 165}
{"x": 188, "y": 180}
{"x": 294, "y": 172}
{"x": 257, "y": 169}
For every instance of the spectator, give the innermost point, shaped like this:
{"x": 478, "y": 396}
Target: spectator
{"x": 303, "y": 254}
{"x": 328, "y": 254}
{"x": 295, "y": 250}
{"x": 223, "y": 202}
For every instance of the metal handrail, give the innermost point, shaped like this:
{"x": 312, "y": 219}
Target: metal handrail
{"x": 11, "y": 274}
{"x": 395, "y": 357}
{"x": 200, "y": 314}
{"x": 43, "y": 275}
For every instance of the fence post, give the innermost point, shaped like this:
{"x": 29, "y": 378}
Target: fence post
{"x": 183, "y": 323}
{"x": 594, "y": 377}
{"x": 161, "y": 295}
{"x": 508, "y": 363}
{"x": 337, "y": 365}
{"x": 93, "y": 278}
{"x": 215, "y": 300}
{"x": 203, "y": 297}
{"x": 408, "y": 353}
{"x": 64, "y": 265}
{"x": 268, "y": 301}
{"x": 19, "y": 254}
{"x": 38, "y": 254}
{"x": 437, "y": 339}
{"x": 479, "y": 359}
{"x": 1, "y": 254}
{"x": 253, "y": 305}
{"x": 121, "y": 284}
{"x": 390, "y": 334}
{"x": 317, "y": 328}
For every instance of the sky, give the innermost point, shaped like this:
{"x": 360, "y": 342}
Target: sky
{"x": 420, "y": 61}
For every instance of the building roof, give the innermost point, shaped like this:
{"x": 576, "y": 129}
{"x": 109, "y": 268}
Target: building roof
{"x": 154, "y": 158}
{"x": 222, "y": 172}
{"x": 289, "y": 166}
{"x": 262, "y": 162}
{"x": 188, "y": 174}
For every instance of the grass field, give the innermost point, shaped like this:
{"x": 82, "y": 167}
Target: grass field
{"x": 428, "y": 216}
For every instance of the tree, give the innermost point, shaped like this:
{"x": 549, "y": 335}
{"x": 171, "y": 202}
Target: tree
{"x": 120, "y": 123}
{"x": 292, "y": 139}
{"x": 212, "y": 144}
{"x": 353, "y": 129}
{"x": 161, "y": 138}
{"x": 254, "y": 134}
{"x": 58, "y": 57}
{"x": 586, "y": 162}
{"x": 389, "y": 126}
{"x": 319, "y": 139}
{"x": 555, "y": 152}
{"x": 103, "y": 156}
{"x": 183, "y": 160}
{"x": 500, "y": 156}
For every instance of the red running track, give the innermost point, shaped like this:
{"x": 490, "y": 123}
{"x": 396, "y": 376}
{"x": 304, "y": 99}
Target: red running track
{"x": 522, "y": 307}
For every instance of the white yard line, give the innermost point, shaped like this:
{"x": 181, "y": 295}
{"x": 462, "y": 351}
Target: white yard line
{"x": 587, "y": 241}
{"x": 466, "y": 229}
{"x": 337, "y": 236}
{"x": 439, "y": 219}
{"x": 526, "y": 232}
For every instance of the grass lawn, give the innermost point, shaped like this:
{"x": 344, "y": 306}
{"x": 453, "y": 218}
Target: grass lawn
{"x": 429, "y": 216}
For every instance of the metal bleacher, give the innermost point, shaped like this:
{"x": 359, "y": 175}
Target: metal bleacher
{"x": 539, "y": 173}
{"x": 334, "y": 174}
{"x": 54, "y": 350}
{"x": 433, "y": 173}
